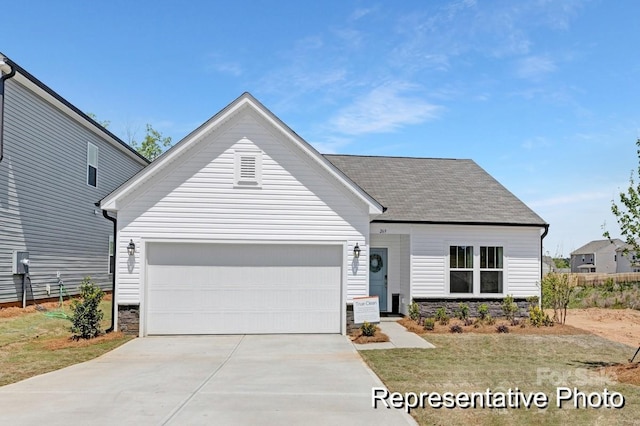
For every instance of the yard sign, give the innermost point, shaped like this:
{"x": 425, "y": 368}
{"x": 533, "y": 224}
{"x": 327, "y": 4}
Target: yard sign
{"x": 366, "y": 309}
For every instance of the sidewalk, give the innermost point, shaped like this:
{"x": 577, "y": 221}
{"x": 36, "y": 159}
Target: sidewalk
{"x": 399, "y": 337}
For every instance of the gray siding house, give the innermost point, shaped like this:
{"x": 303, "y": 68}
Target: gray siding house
{"x": 597, "y": 256}
{"x": 56, "y": 163}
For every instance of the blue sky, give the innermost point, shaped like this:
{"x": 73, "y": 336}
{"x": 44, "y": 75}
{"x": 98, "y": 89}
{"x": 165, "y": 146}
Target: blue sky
{"x": 542, "y": 94}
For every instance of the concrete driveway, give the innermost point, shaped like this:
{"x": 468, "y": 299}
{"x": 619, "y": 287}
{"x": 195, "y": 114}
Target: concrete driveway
{"x": 221, "y": 380}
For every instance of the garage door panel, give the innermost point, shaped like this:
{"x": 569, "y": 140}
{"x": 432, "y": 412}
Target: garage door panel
{"x": 190, "y": 297}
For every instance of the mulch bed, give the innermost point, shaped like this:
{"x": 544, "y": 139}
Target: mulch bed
{"x": 378, "y": 337}
{"x": 522, "y": 328}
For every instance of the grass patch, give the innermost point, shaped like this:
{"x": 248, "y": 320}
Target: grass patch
{"x": 32, "y": 343}
{"x": 533, "y": 363}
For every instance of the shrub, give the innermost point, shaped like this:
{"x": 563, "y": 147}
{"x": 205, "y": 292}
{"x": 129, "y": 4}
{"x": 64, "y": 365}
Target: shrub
{"x": 86, "y": 315}
{"x": 533, "y": 301}
{"x": 468, "y": 322}
{"x": 429, "y": 323}
{"x": 538, "y": 318}
{"x": 489, "y": 319}
{"x": 509, "y": 307}
{"x": 455, "y": 328}
{"x": 462, "y": 313}
{"x": 502, "y": 329}
{"x": 441, "y": 316}
{"x": 483, "y": 310}
{"x": 368, "y": 329}
{"x": 414, "y": 311}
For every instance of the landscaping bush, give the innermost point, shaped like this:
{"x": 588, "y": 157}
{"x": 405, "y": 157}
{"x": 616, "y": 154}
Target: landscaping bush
{"x": 538, "y": 318}
{"x": 502, "y": 329}
{"x": 429, "y": 324}
{"x": 509, "y": 307}
{"x": 483, "y": 310}
{"x": 414, "y": 311}
{"x": 86, "y": 315}
{"x": 455, "y": 328}
{"x": 462, "y": 313}
{"x": 489, "y": 319}
{"x": 441, "y": 316}
{"x": 368, "y": 329}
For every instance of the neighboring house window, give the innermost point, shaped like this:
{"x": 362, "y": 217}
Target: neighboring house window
{"x": 461, "y": 269}
{"x": 112, "y": 255}
{"x": 248, "y": 168}
{"x": 583, "y": 259}
{"x": 92, "y": 164}
{"x": 491, "y": 269}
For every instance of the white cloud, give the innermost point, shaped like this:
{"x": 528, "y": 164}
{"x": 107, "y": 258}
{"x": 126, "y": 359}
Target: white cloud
{"x": 535, "y": 67}
{"x": 536, "y": 143}
{"x": 571, "y": 199}
{"x": 384, "y": 109}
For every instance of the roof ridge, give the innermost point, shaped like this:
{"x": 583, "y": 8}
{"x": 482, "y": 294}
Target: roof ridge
{"x": 398, "y": 157}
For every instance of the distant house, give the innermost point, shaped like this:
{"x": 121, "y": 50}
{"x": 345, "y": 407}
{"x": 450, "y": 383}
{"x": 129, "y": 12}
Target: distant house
{"x": 55, "y": 164}
{"x": 629, "y": 261}
{"x": 548, "y": 265}
{"x": 597, "y": 256}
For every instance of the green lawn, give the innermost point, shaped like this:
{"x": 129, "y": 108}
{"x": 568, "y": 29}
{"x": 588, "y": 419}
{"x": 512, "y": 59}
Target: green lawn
{"x": 33, "y": 344}
{"x": 475, "y": 362}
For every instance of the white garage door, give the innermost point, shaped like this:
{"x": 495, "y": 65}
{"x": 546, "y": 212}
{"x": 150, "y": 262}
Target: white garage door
{"x": 243, "y": 289}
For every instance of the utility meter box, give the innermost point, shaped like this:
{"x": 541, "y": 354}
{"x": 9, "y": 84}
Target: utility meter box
{"x": 20, "y": 260}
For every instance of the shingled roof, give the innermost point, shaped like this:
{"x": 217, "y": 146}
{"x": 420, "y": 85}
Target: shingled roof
{"x": 435, "y": 190}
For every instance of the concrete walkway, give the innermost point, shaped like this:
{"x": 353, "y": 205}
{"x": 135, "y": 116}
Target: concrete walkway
{"x": 207, "y": 380}
{"x": 399, "y": 337}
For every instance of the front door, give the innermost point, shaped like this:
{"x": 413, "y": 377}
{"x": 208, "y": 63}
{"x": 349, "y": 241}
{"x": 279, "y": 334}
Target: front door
{"x": 378, "y": 276}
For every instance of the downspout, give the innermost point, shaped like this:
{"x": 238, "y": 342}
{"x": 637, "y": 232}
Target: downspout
{"x": 113, "y": 285}
{"x": 544, "y": 234}
{"x": 3, "y": 68}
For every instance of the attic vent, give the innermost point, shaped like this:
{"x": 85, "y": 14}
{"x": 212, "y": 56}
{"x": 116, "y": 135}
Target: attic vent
{"x": 248, "y": 168}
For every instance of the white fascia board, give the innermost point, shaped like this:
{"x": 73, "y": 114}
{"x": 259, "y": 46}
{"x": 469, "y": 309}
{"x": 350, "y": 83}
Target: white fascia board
{"x": 24, "y": 81}
{"x": 374, "y": 207}
{"x": 244, "y": 101}
{"x": 110, "y": 201}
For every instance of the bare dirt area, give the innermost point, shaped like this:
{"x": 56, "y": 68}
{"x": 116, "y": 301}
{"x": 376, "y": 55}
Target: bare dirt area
{"x": 618, "y": 325}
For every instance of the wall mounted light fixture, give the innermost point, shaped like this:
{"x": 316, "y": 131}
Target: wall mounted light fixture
{"x": 356, "y": 251}
{"x": 131, "y": 248}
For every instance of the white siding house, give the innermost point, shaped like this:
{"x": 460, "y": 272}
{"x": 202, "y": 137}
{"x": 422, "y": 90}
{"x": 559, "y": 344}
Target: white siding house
{"x": 243, "y": 227}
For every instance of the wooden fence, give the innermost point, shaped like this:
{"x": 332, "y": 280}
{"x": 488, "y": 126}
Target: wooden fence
{"x": 594, "y": 279}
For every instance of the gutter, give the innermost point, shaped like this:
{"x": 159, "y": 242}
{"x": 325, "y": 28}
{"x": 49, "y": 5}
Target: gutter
{"x": 113, "y": 284}
{"x": 15, "y": 67}
{"x": 3, "y": 66}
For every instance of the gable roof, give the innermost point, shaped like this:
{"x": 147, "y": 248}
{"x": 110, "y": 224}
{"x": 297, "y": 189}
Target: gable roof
{"x": 429, "y": 190}
{"x": 246, "y": 100}
{"x": 597, "y": 245}
{"x": 26, "y": 79}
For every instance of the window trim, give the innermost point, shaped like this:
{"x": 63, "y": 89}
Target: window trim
{"x": 476, "y": 244}
{"x": 92, "y": 148}
{"x": 487, "y": 268}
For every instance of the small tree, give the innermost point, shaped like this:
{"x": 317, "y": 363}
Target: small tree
{"x": 86, "y": 315}
{"x": 627, "y": 213}
{"x": 153, "y": 144}
{"x": 557, "y": 293}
